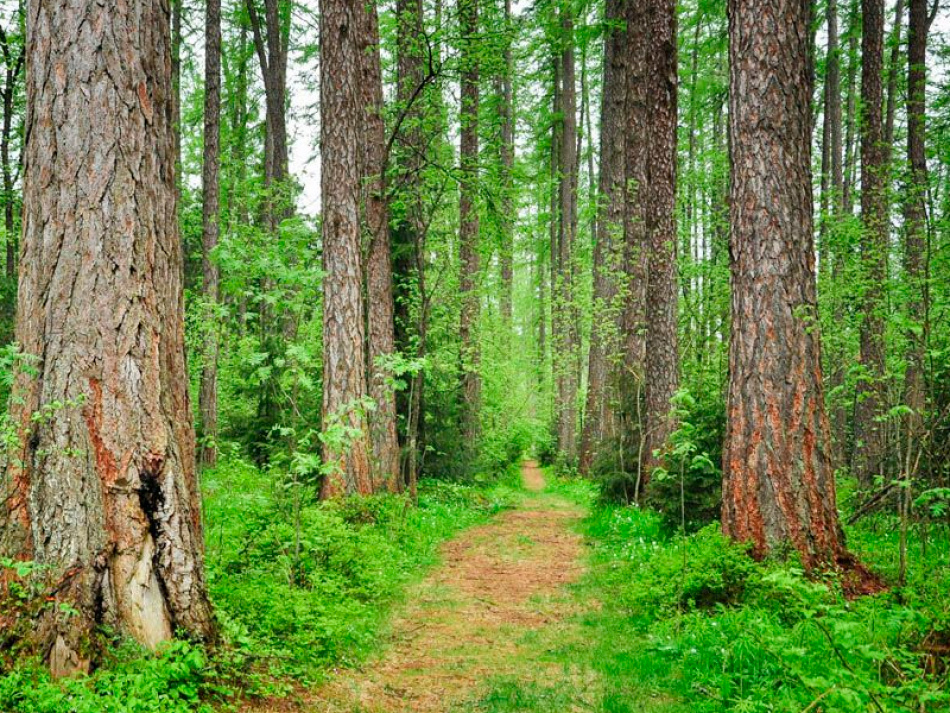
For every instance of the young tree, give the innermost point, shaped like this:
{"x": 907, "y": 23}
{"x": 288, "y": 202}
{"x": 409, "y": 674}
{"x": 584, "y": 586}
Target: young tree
{"x": 662, "y": 349}
{"x": 381, "y": 340}
{"x": 868, "y": 433}
{"x": 103, "y": 489}
{"x": 208, "y": 391}
{"x": 346, "y": 448}
{"x": 470, "y": 352}
{"x": 506, "y": 253}
{"x": 13, "y": 56}
{"x": 778, "y": 480}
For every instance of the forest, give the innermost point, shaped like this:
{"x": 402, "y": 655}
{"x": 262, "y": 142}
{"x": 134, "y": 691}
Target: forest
{"x": 474, "y": 356}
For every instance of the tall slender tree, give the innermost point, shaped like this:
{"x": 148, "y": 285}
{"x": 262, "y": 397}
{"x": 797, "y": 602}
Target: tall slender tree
{"x": 208, "y": 390}
{"x": 470, "y": 354}
{"x": 605, "y": 329}
{"x": 567, "y": 345}
{"x": 662, "y": 349}
{"x": 381, "y": 338}
{"x": 868, "y": 432}
{"x": 915, "y": 213}
{"x": 103, "y": 490}
{"x": 778, "y": 480}
{"x": 506, "y": 254}
{"x": 346, "y": 446}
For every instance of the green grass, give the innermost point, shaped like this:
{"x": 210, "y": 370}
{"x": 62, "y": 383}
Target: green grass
{"x": 299, "y": 586}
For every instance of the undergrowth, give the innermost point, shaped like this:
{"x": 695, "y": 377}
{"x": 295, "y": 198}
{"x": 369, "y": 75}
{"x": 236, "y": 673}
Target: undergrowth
{"x": 298, "y": 585}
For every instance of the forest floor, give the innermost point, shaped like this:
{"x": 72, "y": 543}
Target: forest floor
{"x": 485, "y": 615}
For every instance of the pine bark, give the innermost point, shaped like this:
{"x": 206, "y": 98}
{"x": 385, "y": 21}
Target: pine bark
{"x": 778, "y": 480}
{"x": 605, "y": 330}
{"x": 381, "y": 342}
{"x": 208, "y": 389}
{"x": 662, "y": 348}
{"x": 346, "y": 449}
{"x": 868, "y": 432}
{"x": 915, "y": 212}
{"x": 103, "y": 488}
{"x": 470, "y": 351}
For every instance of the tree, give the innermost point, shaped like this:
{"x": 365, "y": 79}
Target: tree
{"x": 208, "y": 391}
{"x": 381, "y": 339}
{"x": 567, "y": 345}
{"x": 605, "y": 327}
{"x": 915, "y": 214}
{"x": 346, "y": 448}
{"x": 778, "y": 481}
{"x": 506, "y": 254}
{"x": 868, "y": 433}
{"x": 470, "y": 352}
{"x": 662, "y": 349}
{"x": 12, "y": 76}
{"x": 103, "y": 488}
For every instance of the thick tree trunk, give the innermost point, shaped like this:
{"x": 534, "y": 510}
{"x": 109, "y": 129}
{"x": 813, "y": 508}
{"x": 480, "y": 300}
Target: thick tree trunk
{"x": 103, "y": 488}
{"x": 778, "y": 480}
{"x": 381, "y": 343}
{"x": 208, "y": 392}
{"x": 346, "y": 447}
{"x": 662, "y": 348}
{"x": 915, "y": 212}
{"x": 868, "y": 432}
{"x": 604, "y": 342}
{"x": 470, "y": 351}
{"x": 567, "y": 347}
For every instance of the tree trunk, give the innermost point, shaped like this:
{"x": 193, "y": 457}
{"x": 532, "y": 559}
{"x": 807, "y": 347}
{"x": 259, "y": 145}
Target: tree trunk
{"x": 567, "y": 346}
{"x": 869, "y": 433}
{"x": 636, "y": 129}
{"x": 507, "y": 169}
{"x": 470, "y": 351}
{"x": 410, "y": 229}
{"x": 604, "y": 345}
{"x": 103, "y": 488}
{"x": 208, "y": 392}
{"x": 915, "y": 212}
{"x": 662, "y": 349}
{"x": 778, "y": 480}
{"x": 893, "y": 69}
{"x": 381, "y": 344}
{"x": 346, "y": 447}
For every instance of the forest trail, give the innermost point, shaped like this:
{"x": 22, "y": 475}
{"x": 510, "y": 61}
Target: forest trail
{"x": 466, "y": 623}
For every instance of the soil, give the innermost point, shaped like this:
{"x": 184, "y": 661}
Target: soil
{"x": 465, "y": 623}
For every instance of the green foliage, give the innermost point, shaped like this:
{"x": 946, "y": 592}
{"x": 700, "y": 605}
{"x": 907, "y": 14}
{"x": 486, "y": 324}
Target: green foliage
{"x": 177, "y": 679}
{"x": 308, "y": 584}
{"x": 708, "y": 626}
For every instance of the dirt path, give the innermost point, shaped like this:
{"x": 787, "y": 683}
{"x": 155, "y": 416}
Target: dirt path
{"x": 466, "y": 622}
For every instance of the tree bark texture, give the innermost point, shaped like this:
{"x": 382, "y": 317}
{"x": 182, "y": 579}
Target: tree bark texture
{"x": 103, "y": 489}
{"x": 868, "y": 432}
{"x": 470, "y": 351}
{"x": 915, "y": 212}
{"x": 662, "y": 348}
{"x": 208, "y": 390}
{"x": 381, "y": 342}
{"x": 605, "y": 330}
{"x": 346, "y": 450}
{"x": 778, "y": 480}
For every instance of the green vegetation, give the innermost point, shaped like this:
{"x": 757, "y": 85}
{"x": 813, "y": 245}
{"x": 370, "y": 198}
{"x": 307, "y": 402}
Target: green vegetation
{"x": 694, "y": 624}
{"x": 298, "y": 587}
